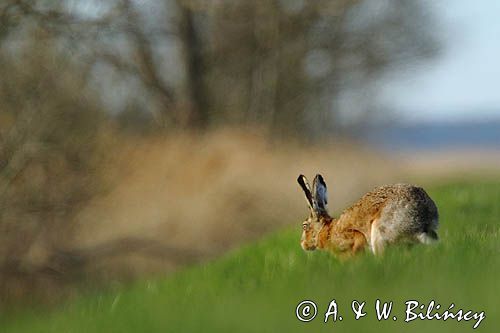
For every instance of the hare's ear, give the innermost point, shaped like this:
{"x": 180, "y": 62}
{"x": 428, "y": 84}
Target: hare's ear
{"x": 320, "y": 199}
{"x": 302, "y": 180}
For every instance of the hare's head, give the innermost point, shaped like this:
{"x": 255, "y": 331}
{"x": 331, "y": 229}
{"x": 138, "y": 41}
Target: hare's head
{"x": 318, "y": 214}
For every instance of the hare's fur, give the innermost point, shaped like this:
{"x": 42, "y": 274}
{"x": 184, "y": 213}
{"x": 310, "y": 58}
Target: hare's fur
{"x": 399, "y": 213}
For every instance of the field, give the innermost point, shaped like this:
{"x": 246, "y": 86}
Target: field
{"x": 256, "y": 288}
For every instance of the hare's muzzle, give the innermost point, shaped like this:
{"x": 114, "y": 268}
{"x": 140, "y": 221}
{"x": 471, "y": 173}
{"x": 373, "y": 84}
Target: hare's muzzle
{"x": 307, "y": 247}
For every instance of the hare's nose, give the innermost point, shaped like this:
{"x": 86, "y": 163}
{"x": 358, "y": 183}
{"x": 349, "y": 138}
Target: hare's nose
{"x": 305, "y": 247}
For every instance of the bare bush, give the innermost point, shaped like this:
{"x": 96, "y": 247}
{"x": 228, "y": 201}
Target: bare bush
{"x": 52, "y": 146}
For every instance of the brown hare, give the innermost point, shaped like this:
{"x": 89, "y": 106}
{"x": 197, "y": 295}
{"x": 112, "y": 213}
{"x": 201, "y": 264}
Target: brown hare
{"x": 400, "y": 213}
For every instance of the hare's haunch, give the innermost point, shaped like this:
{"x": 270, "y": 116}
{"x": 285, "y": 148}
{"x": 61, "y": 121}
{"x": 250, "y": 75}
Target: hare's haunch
{"x": 399, "y": 213}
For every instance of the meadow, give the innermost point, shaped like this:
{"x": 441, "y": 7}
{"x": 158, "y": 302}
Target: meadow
{"x": 257, "y": 287}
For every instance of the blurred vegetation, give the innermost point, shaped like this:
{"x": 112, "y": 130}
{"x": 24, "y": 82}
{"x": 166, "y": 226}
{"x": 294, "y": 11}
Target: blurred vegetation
{"x": 80, "y": 78}
{"x": 53, "y": 140}
{"x": 282, "y": 65}
{"x": 257, "y": 288}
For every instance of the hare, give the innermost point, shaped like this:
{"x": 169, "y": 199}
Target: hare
{"x": 399, "y": 213}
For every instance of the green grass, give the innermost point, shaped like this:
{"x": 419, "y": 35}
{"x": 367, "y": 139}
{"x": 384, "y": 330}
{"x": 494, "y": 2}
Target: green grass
{"x": 256, "y": 288}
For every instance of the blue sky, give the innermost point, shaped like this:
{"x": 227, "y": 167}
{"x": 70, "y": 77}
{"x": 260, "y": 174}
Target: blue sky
{"x": 463, "y": 81}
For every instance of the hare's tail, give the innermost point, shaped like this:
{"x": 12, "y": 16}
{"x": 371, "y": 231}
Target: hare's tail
{"x": 428, "y": 237}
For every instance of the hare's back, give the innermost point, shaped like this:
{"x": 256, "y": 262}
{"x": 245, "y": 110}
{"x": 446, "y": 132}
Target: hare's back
{"x": 407, "y": 212}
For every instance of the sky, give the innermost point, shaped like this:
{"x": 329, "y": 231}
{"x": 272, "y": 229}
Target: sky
{"x": 462, "y": 83}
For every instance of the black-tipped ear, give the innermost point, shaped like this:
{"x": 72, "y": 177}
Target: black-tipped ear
{"x": 302, "y": 180}
{"x": 320, "y": 197}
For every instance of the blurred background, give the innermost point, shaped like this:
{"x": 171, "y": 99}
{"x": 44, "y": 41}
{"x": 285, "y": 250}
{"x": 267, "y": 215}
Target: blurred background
{"x": 140, "y": 136}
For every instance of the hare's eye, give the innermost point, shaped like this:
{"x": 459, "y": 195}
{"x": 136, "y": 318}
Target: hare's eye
{"x": 305, "y": 227}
